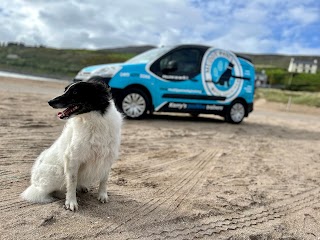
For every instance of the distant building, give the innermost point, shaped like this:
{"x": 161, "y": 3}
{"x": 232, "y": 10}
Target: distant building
{"x": 12, "y": 56}
{"x": 15, "y": 44}
{"x": 261, "y": 79}
{"x": 298, "y": 66}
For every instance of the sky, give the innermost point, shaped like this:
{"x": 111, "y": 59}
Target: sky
{"x": 249, "y": 26}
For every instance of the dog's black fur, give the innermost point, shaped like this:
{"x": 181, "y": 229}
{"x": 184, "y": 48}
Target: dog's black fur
{"x": 83, "y": 97}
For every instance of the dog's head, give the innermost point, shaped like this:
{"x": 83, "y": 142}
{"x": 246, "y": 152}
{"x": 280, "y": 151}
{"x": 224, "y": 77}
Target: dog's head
{"x": 83, "y": 97}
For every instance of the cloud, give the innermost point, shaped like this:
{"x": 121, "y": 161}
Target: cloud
{"x": 304, "y": 15}
{"x": 248, "y": 26}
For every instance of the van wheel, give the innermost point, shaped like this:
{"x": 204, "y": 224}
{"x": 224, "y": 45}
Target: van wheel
{"x": 235, "y": 113}
{"x": 134, "y": 103}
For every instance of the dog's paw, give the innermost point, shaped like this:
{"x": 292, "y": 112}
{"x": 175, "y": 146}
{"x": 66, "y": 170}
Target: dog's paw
{"x": 71, "y": 205}
{"x": 103, "y": 197}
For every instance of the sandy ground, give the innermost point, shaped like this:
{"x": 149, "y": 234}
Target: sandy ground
{"x": 177, "y": 178}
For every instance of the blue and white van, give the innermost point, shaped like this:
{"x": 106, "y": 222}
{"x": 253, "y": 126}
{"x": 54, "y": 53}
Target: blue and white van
{"x": 187, "y": 78}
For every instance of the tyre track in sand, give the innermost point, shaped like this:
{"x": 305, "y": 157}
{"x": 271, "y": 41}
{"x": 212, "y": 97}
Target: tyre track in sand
{"x": 11, "y": 201}
{"x": 209, "y": 226}
{"x": 15, "y": 205}
{"x": 9, "y": 179}
{"x": 146, "y": 173}
{"x": 169, "y": 198}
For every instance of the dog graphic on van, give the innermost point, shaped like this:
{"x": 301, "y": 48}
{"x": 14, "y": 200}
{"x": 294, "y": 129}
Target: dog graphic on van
{"x": 227, "y": 75}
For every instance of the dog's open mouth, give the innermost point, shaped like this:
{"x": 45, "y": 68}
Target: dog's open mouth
{"x": 68, "y": 112}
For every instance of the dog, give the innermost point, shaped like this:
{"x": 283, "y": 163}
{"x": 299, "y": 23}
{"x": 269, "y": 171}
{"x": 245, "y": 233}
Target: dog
{"x": 226, "y": 75}
{"x": 86, "y": 149}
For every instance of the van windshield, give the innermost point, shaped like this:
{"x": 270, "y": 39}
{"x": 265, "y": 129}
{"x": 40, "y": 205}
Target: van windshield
{"x": 149, "y": 55}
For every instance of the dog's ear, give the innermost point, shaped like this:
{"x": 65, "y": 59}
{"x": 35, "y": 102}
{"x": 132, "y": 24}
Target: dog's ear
{"x": 100, "y": 81}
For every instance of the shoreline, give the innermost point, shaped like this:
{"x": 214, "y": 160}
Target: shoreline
{"x": 28, "y": 76}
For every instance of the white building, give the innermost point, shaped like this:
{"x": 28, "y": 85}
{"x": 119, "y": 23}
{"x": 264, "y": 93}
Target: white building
{"x": 261, "y": 79}
{"x": 298, "y": 66}
{"x": 12, "y": 56}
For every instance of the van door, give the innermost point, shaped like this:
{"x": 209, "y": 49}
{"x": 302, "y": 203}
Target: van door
{"x": 178, "y": 76}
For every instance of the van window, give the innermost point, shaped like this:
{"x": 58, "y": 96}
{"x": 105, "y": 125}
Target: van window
{"x": 183, "y": 63}
{"x": 148, "y": 56}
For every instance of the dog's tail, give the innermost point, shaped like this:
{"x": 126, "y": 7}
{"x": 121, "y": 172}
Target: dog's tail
{"x": 36, "y": 195}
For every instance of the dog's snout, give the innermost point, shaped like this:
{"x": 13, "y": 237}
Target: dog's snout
{"x": 50, "y": 102}
{"x": 55, "y": 103}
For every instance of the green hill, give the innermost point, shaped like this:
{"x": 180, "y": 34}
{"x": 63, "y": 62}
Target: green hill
{"x": 65, "y": 63}
{"x": 276, "y": 60}
{"x": 58, "y": 63}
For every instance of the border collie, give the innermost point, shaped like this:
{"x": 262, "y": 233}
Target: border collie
{"x": 86, "y": 149}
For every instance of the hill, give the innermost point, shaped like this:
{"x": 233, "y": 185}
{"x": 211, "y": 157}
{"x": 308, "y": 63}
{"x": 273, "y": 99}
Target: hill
{"x": 129, "y": 49}
{"x": 65, "y": 63}
{"x": 276, "y": 60}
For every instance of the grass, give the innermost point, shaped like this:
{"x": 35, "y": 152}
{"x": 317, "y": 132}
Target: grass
{"x": 282, "y": 96}
{"x": 61, "y": 63}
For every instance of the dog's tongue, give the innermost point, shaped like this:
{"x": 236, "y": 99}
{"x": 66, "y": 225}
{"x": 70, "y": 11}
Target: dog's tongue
{"x": 60, "y": 115}
{"x": 67, "y": 112}
{"x": 64, "y": 114}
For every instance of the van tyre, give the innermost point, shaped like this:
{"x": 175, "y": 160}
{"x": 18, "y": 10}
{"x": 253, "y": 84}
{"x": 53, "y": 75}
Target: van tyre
{"x": 236, "y": 112}
{"x": 134, "y": 103}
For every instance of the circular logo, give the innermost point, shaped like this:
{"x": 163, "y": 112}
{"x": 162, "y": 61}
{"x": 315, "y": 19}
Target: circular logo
{"x": 221, "y": 74}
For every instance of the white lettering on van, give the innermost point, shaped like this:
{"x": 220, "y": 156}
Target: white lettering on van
{"x": 144, "y": 76}
{"x": 173, "y": 77}
{"x": 184, "y": 90}
{"x": 214, "y": 107}
{"x": 248, "y": 89}
{"x": 124, "y": 74}
{"x": 178, "y": 105}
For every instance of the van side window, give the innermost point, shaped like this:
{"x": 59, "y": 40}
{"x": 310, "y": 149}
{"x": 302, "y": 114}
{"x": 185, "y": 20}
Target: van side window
{"x": 181, "y": 64}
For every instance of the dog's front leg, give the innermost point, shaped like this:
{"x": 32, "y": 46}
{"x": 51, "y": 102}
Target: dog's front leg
{"x": 71, "y": 169}
{"x": 102, "y": 192}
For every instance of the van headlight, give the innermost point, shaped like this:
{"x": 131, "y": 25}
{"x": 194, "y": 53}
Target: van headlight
{"x": 83, "y": 75}
{"x": 108, "y": 71}
{"x": 105, "y": 72}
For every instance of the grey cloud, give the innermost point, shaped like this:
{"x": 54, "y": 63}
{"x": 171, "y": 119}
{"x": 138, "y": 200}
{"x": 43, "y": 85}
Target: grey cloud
{"x": 240, "y": 26}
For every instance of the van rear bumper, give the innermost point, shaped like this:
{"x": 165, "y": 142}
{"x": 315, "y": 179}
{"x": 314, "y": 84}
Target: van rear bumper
{"x": 250, "y": 108}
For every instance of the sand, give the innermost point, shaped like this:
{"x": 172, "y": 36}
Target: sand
{"x": 178, "y": 177}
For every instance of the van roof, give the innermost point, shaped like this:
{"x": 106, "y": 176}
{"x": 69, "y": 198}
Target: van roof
{"x": 205, "y": 47}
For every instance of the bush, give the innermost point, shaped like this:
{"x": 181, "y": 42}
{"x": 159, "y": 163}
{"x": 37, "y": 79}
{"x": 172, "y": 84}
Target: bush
{"x": 277, "y": 76}
{"x": 293, "y": 81}
{"x": 305, "y": 82}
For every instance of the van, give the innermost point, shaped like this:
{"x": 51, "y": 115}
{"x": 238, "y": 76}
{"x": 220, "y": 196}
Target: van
{"x": 192, "y": 79}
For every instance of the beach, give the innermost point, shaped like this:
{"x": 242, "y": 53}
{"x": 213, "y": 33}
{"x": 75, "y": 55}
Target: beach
{"x": 178, "y": 177}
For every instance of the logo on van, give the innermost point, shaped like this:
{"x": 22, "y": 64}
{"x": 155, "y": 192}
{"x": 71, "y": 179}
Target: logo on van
{"x": 222, "y": 74}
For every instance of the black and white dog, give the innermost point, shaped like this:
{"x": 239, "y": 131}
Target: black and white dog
{"x": 86, "y": 149}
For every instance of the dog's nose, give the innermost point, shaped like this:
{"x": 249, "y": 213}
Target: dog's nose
{"x": 50, "y": 103}
{"x": 53, "y": 103}
{"x": 56, "y": 103}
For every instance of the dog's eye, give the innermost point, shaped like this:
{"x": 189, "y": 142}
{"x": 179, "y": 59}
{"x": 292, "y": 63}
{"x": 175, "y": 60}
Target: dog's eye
{"x": 75, "y": 92}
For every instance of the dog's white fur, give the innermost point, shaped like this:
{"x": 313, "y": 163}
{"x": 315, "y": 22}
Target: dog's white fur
{"x": 82, "y": 155}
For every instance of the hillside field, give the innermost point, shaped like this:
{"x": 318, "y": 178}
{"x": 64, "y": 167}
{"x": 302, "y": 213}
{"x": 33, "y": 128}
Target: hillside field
{"x": 65, "y": 63}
